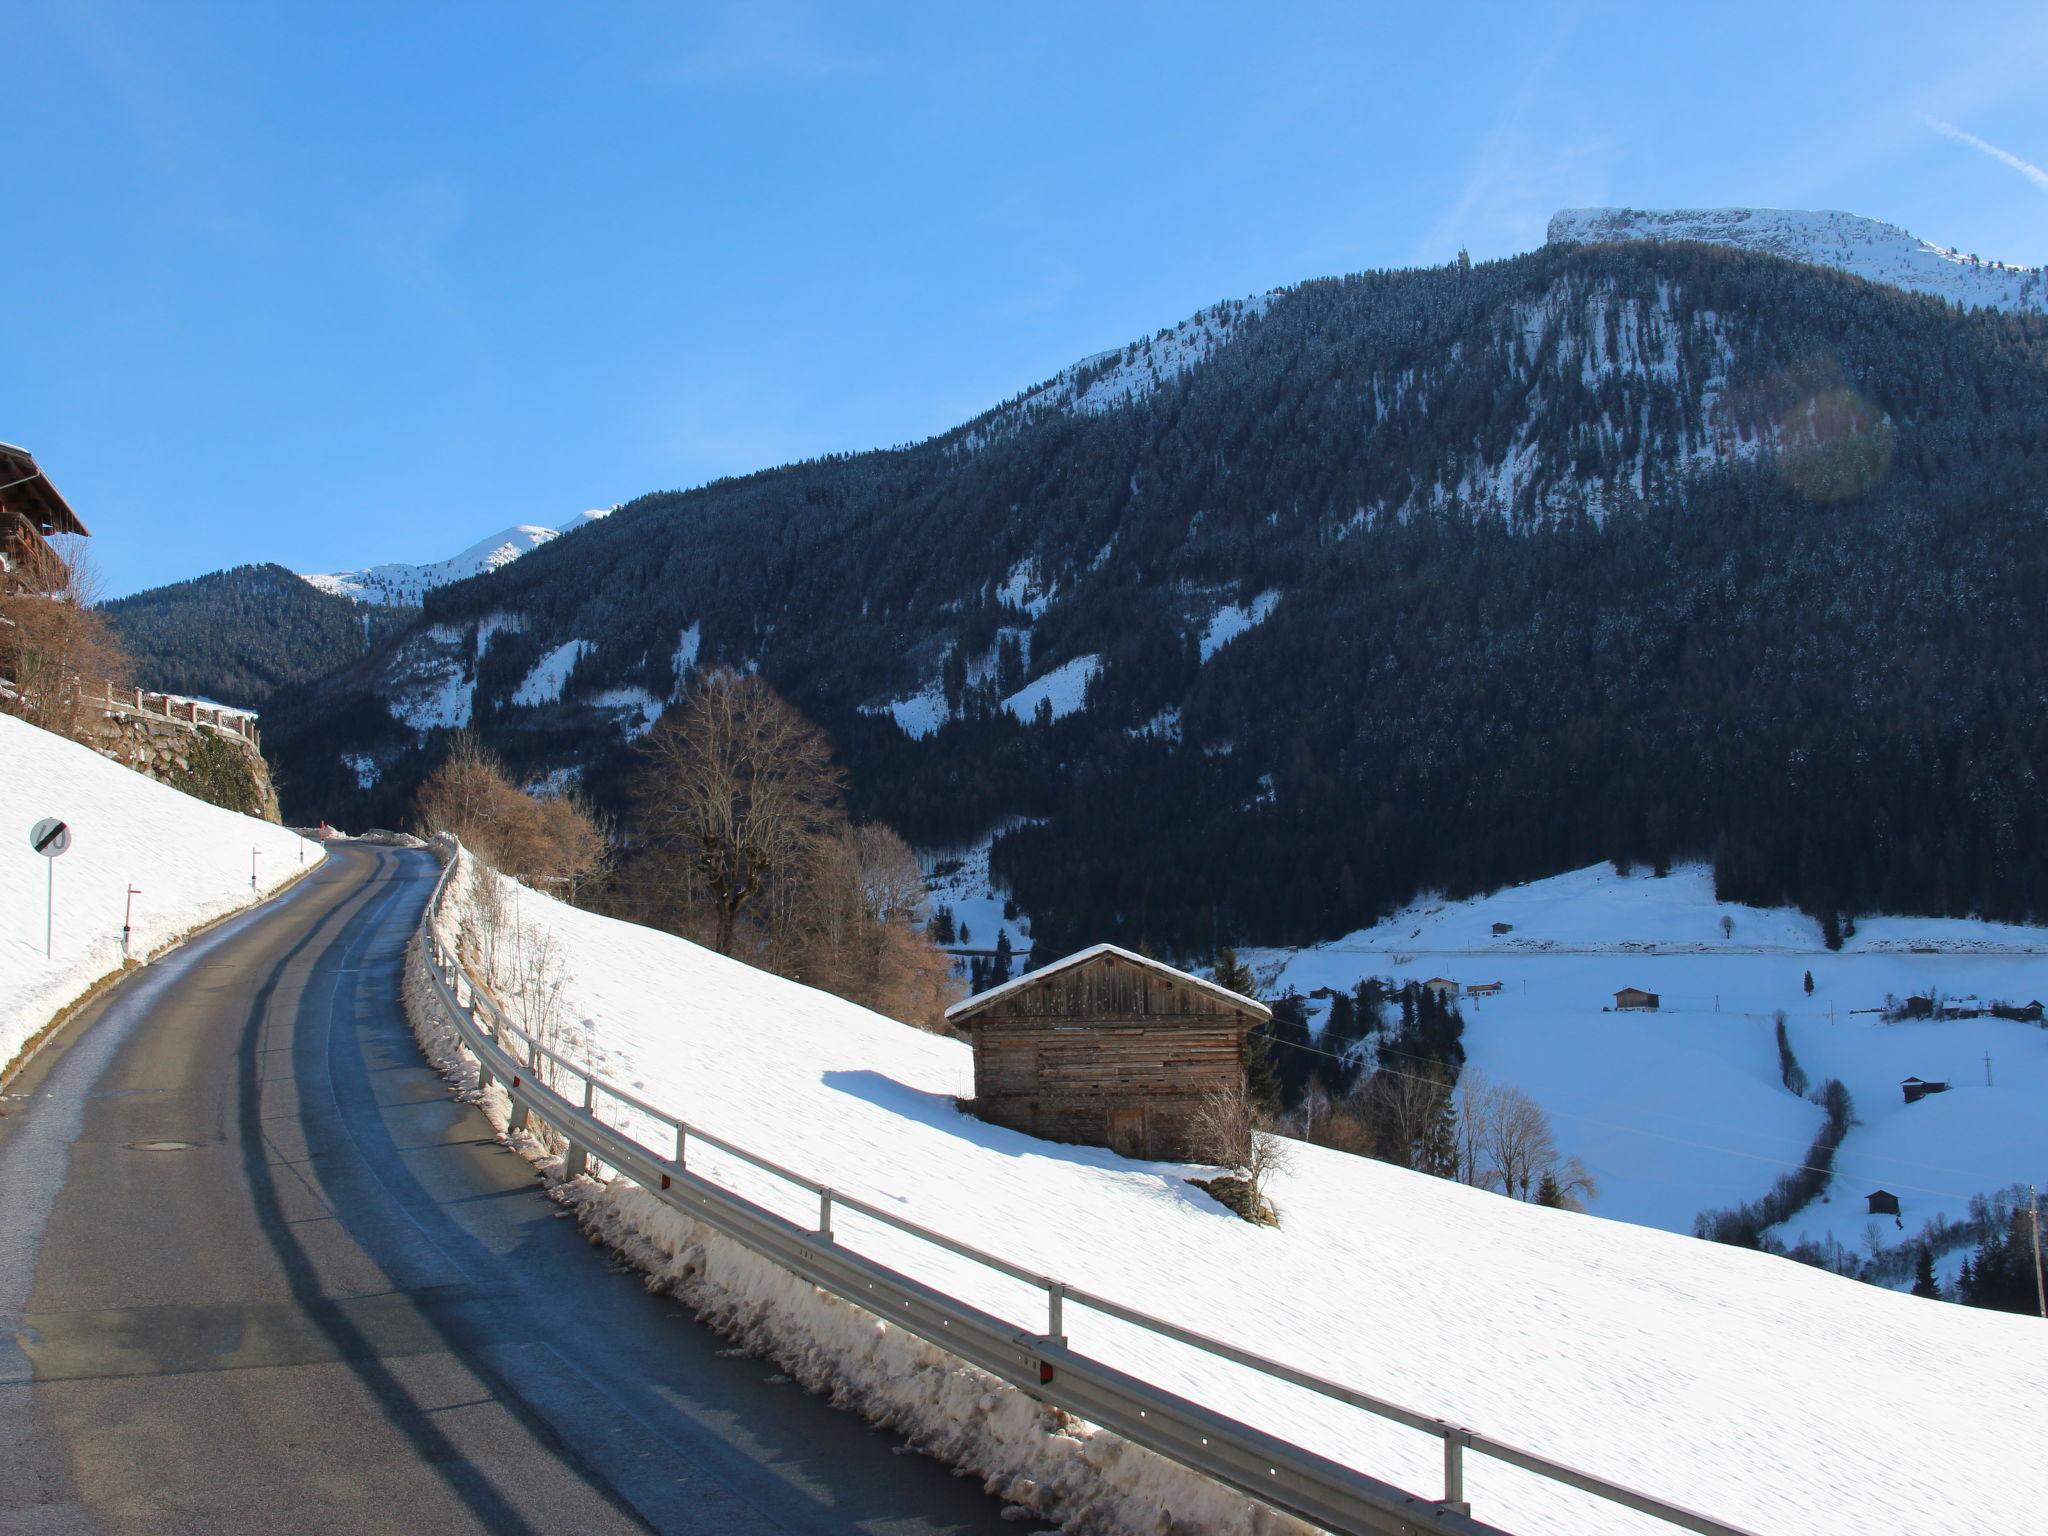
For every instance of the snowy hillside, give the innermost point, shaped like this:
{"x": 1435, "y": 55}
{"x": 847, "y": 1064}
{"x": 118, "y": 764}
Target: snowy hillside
{"x": 190, "y": 860}
{"x": 403, "y": 585}
{"x": 1882, "y": 252}
{"x": 1764, "y": 1392}
{"x": 1684, "y": 1108}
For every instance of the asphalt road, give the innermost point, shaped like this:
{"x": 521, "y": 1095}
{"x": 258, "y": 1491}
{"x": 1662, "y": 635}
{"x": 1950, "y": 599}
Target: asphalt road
{"x": 259, "y": 1272}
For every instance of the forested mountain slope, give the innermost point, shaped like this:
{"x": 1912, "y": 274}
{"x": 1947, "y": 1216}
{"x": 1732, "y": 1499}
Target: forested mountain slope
{"x": 238, "y": 636}
{"x": 1447, "y": 577}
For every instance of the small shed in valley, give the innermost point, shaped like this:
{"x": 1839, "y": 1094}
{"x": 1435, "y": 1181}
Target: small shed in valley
{"x": 1883, "y": 1203}
{"x": 1635, "y": 997}
{"x": 1109, "y": 1048}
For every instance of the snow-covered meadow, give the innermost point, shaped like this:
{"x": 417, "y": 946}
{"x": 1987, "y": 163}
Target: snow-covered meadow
{"x": 190, "y": 860}
{"x": 1684, "y": 1108}
{"x": 1766, "y": 1393}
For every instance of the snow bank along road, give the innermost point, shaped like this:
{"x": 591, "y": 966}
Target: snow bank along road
{"x": 258, "y": 1272}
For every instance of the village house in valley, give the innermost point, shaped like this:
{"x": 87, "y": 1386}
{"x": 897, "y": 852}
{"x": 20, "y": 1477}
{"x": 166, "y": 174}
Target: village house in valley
{"x": 1107, "y": 1047}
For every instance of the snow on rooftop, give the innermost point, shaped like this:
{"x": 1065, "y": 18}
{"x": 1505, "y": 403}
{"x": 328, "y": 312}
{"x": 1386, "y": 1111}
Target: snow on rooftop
{"x": 968, "y": 1007}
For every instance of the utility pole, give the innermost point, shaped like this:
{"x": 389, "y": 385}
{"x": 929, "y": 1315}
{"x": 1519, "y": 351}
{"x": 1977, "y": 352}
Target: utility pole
{"x": 1987, "y": 1069}
{"x": 2040, "y": 1290}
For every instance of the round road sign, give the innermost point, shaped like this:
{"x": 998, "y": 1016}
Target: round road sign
{"x": 49, "y": 837}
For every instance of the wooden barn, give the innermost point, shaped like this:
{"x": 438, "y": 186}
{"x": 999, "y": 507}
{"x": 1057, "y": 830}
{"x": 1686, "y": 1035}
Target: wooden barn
{"x": 1883, "y": 1202}
{"x": 1635, "y": 998}
{"x": 1108, "y": 1048}
{"x": 31, "y": 510}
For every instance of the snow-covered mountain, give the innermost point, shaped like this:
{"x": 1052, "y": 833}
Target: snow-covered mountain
{"x": 405, "y": 585}
{"x": 1868, "y": 248}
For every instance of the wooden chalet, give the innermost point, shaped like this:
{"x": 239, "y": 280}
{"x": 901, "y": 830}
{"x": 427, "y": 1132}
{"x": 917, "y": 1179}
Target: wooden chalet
{"x": 1108, "y": 1048}
{"x": 1635, "y": 999}
{"x": 31, "y": 512}
{"x": 1445, "y": 989}
{"x": 1501, "y": 928}
{"x": 1916, "y": 1089}
{"x": 1883, "y": 1202}
{"x": 1486, "y": 989}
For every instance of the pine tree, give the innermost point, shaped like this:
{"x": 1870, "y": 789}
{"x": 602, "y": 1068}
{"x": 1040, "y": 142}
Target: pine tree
{"x": 1924, "y": 1283}
{"x": 1548, "y": 1193}
{"x": 1000, "y": 973}
{"x": 1809, "y": 983}
{"x": 1233, "y": 975}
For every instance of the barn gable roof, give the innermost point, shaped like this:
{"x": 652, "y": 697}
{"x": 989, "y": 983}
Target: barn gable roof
{"x": 968, "y": 1007}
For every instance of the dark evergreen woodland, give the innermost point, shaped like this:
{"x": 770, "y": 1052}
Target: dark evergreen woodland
{"x": 1766, "y": 588}
{"x": 239, "y": 636}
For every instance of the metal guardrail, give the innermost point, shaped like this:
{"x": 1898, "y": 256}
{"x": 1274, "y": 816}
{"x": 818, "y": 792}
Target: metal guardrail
{"x": 1043, "y": 1365}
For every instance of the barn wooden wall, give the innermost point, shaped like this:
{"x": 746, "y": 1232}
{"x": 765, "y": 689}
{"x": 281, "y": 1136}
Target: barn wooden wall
{"x": 1107, "y": 1053}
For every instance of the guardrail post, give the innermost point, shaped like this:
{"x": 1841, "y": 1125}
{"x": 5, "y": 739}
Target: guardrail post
{"x": 1455, "y": 1441}
{"x": 1056, "y": 1311}
{"x": 578, "y": 1162}
{"x": 682, "y": 1134}
{"x": 824, "y": 1215}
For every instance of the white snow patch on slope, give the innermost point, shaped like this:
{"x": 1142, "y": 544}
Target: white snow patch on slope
{"x": 1066, "y": 686}
{"x": 431, "y": 687}
{"x": 1868, "y": 248}
{"x": 1683, "y": 1109}
{"x": 492, "y": 625}
{"x": 636, "y": 707}
{"x": 407, "y": 585}
{"x": 543, "y": 685}
{"x": 191, "y": 861}
{"x": 1122, "y": 375}
{"x": 959, "y": 879}
{"x": 1649, "y": 1358}
{"x": 920, "y": 715}
{"x": 1024, "y": 588}
{"x": 688, "y": 645}
{"x": 1228, "y": 622}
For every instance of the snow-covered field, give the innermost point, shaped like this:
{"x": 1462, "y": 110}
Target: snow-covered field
{"x": 1764, "y": 1392}
{"x": 1682, "y": 1109}
{"x": 190, "y": 861}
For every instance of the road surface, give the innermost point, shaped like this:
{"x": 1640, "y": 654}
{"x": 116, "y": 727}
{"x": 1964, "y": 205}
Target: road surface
{"x": 259, "y": 1272}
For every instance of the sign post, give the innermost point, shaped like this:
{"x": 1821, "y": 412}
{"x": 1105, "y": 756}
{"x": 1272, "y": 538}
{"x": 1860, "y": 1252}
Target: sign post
{"x": 128, "y": 919}
{"x": 49, "y": 837}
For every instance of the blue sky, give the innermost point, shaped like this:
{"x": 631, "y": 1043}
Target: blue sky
{"x": 328, "y": 285}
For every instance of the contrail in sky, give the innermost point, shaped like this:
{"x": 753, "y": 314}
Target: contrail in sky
{"x": 2026, "y": 168}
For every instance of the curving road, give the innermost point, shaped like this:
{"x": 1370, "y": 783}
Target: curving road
{"x": 258, "y": 1272}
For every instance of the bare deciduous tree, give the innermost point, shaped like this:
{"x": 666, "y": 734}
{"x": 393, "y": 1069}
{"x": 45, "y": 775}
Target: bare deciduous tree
{"x": 57, "y": 651}
{"x": 744, "y": 783}
{"x": 1518, "y": 1141}
{"x": 556, "y": 843}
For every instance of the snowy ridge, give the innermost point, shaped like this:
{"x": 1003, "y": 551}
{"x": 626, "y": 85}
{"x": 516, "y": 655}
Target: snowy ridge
{"x": 1868, "y": 248}
{"x": 403, "y": 585}
{"x": 191, "y": 861}
{"x": 1123, "y": 375}
{"x": 1649, "y": 1359}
